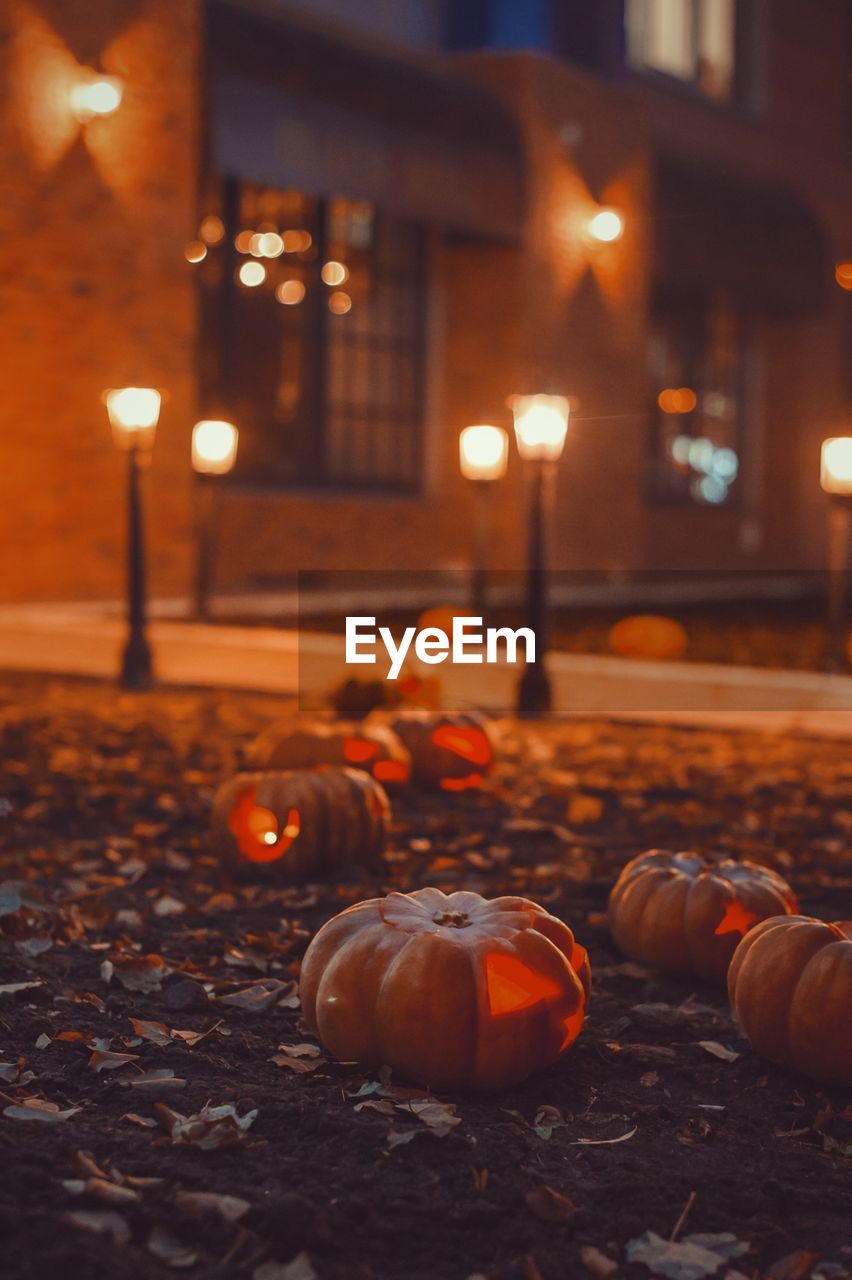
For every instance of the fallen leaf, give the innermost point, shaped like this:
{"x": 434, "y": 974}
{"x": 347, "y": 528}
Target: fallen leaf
{"x": 101, "y": 1189}
{"x": 106, "y": 1060}
{"x": 153, "y": 1032}
{"x": 795, "y": 1266}
{"x": 718, "y": 1050}
{"x": 210, "y": 1129}
{"x": 604, "y": 1142}
{"x": 230, "y": 1209}
{"x": 596, "y": 1262}
{"x": 301, "y": 1268}
{"x": 169, "y": 1250}
{"x": 692, "y": 1258}
{"x": 102, "y": 1222}
{"x": 266, "y": 993}
{"x": 39, "y": 1109}
{"x": 549, "y": 1205}
{"x": 12, "y": 988}
{"x": 144, "y": 974}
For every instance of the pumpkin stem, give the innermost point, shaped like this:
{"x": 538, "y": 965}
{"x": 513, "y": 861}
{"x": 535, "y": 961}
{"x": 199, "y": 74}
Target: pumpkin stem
{"x": 452, "y": 919}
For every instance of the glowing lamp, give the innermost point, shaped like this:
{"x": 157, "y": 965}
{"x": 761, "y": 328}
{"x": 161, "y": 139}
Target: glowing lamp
{"x": 835, "y": 470}
{"x": 133, "y": 414}
{"x": 214, "y": 447}
{"x": 541, "y": 425}
{"x": 483, "y": 452}
{"x": 95, "y": 95}
{"x": 606, "y": 226}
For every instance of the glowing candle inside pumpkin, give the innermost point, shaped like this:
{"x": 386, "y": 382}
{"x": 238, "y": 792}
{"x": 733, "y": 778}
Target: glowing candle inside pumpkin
{"x": 256, "y": 829}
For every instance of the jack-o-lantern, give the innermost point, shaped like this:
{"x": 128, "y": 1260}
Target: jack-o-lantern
{"x": 452, "y": 751}
{"x": 452, "y": 991}
{"x": 374, "y": 748}
{"x": 790, "y": 984}
{"x": 301, "y": 823}
{"x": 677, "y": 911}
{"x": 645, "y": 635}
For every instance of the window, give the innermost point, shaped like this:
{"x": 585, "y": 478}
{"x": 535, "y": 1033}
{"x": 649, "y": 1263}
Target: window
{"x": 698, "y": 372}
{"x": 690, "y": 40}
{"x": 313, "y": 337}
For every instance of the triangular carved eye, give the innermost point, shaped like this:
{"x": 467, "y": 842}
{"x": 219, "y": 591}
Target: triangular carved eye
{"x": 357, "y": 750}
{"x": 470, "y": 744}
{"x": 513, "y": 986}
{"x": 736, "y": 919}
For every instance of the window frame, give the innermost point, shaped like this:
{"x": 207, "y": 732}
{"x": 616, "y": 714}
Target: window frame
{"x": 219, "y": 319}
{"x": 659, "y": 496}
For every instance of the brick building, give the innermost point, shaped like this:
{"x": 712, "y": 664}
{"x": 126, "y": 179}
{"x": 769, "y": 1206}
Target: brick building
{"x": 430, "y": 171}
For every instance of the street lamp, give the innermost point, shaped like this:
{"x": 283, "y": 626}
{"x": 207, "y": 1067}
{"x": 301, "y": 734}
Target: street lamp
{"x": 214, "y": 452}
{"x": 133, "y": 415}
{"x": 483, "y": 456}
{"x": 835, "y": 476}
{"x": 541, "y": 425}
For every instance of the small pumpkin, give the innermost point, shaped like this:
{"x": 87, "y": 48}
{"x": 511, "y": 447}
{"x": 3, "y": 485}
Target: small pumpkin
{"x": 647, "y": 635}
{"x": 450, "y": 751}
{"x": 790, "y": 984}
{"x": 450, "y": 990}
{"x": 300, "y": 823}
{"x": 677, "y": 911}
{"x": 375, "y": 748}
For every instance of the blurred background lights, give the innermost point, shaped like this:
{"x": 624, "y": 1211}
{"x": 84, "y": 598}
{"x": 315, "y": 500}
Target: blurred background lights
{"x": 835, "y": 472}
{"x": 701, "y": 453}
{"x": 195, "y": 251}
{"x": 679, "y": 449}
{"x": 725, "y": 464}
{"x": 95, "y": 95}
{"x": 483, "y": 452}
{"x": 242, "y": 242}
{"x": 677, "y": 400}
{"x": 290, "y": 292}
{"x": 606, "y": 226}
{"x": 339, "y": 303}
{"x": 251, "y": 274}
{"x": 271, "y": 245}
{"x": 711, "y": 489}
{"x": 214, "y": 447}
{"x": 843, "y": 274}
{"x": 212, "y": 229}
{"x": 297, "y": 241}
{"x": 334, "y": 273}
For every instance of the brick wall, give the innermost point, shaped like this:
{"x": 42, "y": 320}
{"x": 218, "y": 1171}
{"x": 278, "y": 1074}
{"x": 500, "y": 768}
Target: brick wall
{"x": 94, "y": 290}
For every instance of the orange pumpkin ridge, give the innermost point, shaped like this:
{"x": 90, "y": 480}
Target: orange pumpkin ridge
{"x": 452, "y": 990}
{"x": 300, "y": 823}
{"x": 790, "y": 985}
{"x": 678, "y": 912}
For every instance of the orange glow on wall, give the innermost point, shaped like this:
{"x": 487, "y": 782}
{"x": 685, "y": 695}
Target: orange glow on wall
{"x": 513, "y": 986}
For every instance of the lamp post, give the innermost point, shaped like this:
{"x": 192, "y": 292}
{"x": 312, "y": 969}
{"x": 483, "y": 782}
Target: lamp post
{"x": 133, "y": 414}
{"x": 214, "y": 452}
{"x": 483, "y": 456}
{"x": 835, "y": 476}
{"x": 541, "y": 425}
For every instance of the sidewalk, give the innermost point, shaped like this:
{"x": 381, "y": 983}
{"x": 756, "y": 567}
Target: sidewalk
{"x": 77, "y": 640}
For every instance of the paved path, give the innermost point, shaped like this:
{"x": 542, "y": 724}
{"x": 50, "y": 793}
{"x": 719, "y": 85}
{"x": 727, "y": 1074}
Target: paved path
{"x": 79, "y": 641}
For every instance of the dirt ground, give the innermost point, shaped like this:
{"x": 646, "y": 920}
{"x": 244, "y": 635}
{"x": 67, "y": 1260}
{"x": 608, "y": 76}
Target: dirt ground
{"x": 314, "y": 1169}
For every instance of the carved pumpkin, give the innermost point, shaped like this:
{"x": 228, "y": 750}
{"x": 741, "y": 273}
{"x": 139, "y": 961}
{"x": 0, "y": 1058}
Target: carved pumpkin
{"x": 790, "y": 984}
{"x": 452, "y": 991}
{"x": 453, "y": 752}
{"x": 645, "y": 635}
{"x": 374, "y": 748}
{"x": 678, "y": 912}
{"x": 301, "y": 823}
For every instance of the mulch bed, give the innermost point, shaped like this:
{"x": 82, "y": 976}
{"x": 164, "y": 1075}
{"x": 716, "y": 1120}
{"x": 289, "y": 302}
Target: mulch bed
{"x": 331, "y": 1171}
